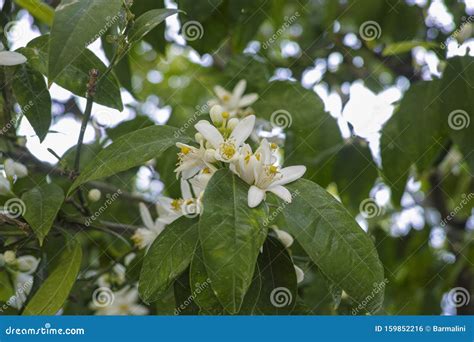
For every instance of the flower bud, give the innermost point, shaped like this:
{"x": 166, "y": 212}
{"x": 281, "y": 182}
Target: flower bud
{"x": 299, "y": 274}
{"x": 210, "y": 155}
{"x": 232, "y": 123}
{"x": 216, "y": 114}
{"x": 94, "y": 195}
{"x": 9, "y": 257}
{"x": 199, "y": 138}
{"x": 285, "y": 238}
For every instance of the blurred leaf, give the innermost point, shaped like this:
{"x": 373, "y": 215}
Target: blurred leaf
{"x": 33, "y": 97}
{"x": 75, "y": 76}
{"x": 38, "y": 9}
{"x": 231, "y": 235}
{"x": 129, "y": 126}
{"x": 335, "y": 242}
{"x": 54, "y": 291}
{"x": 6, "y": 288}
{"x": 42, "y": 204}
{"x": 402, "y": 145}
{"x": 128, "y": 151}
{"x": 169, "y": 255}
{"x": 404, "y": 47}
{"x": 76, "y": 25}
{"x": 458, "y": 104}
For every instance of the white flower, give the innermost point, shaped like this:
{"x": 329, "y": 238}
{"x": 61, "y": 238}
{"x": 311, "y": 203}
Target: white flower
{"x": 191, "y": 160}
{"x": 299, "y": 274}
{"x": 13, "y": 169}
{"x": 124, "y": 303}
{"x": 226, "y": 148}
{"x": 22, "y": 269}
{"x": 9, "y": 58}
{"x": 199, "y": 182}
{"x": 233, "y": 102}
{"x": 285, "y": 238}
{"x": 144, "y": 237}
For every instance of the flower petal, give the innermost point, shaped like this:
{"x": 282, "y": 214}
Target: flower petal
{"x": 243, "y": 130}
{"x": 221, "y": 92}
{"x": 285, "y": 238}
{"x": 255, "y": 196}
{"x": 281, "y": 192}
{"x": 239, "y": 89}
{"x": 210, "y": 133}
{"x": 10, "y": 58}
{"x": 146, "y": 216}
{"x": 248, "y": 99}
{"x": 290, "y": 174}
{"x": 299, "y": 274}
{"x": 186, "y": 189}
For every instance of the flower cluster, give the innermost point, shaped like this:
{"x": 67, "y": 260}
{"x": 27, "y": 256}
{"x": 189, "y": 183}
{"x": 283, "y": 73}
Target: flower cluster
{"x": 222, "y": 143}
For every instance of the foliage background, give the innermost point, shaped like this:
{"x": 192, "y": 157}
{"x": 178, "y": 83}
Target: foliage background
{"x": 369, "y": 86}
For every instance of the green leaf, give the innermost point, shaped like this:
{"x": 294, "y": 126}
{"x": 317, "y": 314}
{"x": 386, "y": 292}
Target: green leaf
{"x": 156, "y": 37}
{"x": 75, "y": 76}
{"x": 169, "y": 255}
{"x": 54, "y": 291}
{"x": 38, "y": 9}
{"x": 33, "y": 97}
{"x": 147, "y": 22}
{"x": 355, "y": 182}
{"x": 402, "y": 145}
{"x": 200, "y": 284}
{"x": 128, "y": 151}
{"x": 279, "y": 288}
{"x": 335, "y": 242}
{"x": 6, "y": 286}
{"x": 42, "y": 204}
{"x": 231, "y": 235}
{"x": 404, "y": 47}
{"x": 458, "y": 104}
{"x": 183, "y": 296}
{"x": 311, "y": 132}
{"x": 76, "y": 25}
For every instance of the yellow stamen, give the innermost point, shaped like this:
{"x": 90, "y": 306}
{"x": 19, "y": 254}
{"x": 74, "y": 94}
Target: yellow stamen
{"x": 273, "y": 169}
{"x": 176, "y": 204}
{"x": 185, "y": 150}
{"x": 228, "y": 150}
{"x": 225, "y": 115}
{"x": 273, "y": 146}
{"x": 206, "y": 170}
{"x": 225, "y": 98}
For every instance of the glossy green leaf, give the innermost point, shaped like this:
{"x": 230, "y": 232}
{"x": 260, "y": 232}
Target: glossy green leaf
{"x": 54, "y": 291}
{"x": 335, "y": 242}
{"x": 128, "y": 151}
{"x": 75, "y": 76}
{"x": 76, "y": 25}
{"x": 169, "y": 255}
{"x": 42, "y": 204}
{"x": 33, "y": 97}
{"x": 279, "y": 288}
{"x": 38, "y": 9}
{"x": 147, "y": 22}
{"x": 231, "y": 235}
